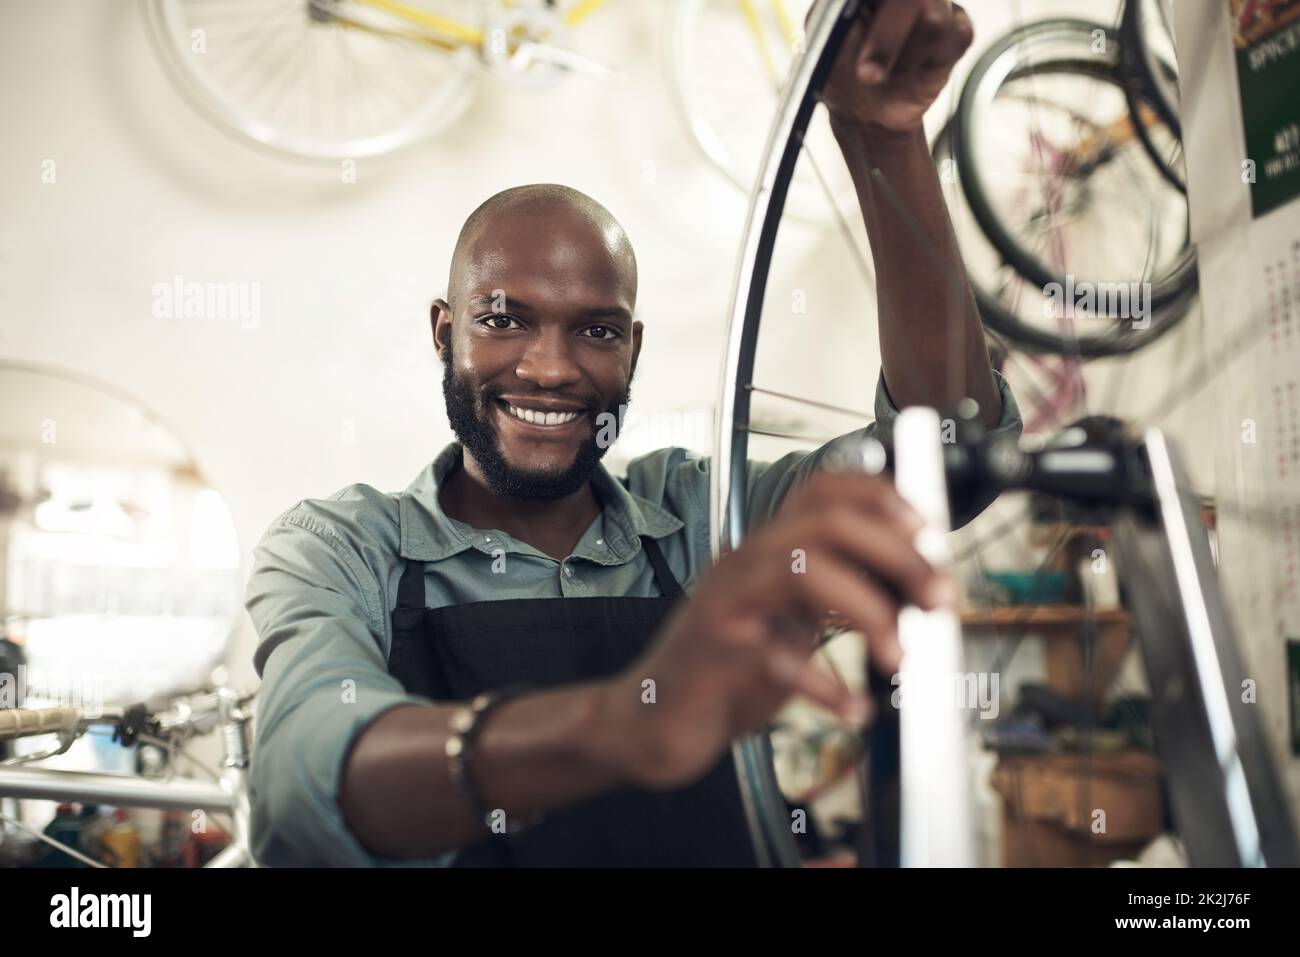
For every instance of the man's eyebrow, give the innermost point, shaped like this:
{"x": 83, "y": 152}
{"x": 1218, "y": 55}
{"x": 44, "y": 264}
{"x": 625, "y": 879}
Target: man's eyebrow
{"x": 513, "y": 304}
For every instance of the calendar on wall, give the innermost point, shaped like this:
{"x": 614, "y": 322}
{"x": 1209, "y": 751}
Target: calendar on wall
{"x": 1256, "y": 311}
{"x": 1239, "y": 68}
{"x": 1274, "y": 251}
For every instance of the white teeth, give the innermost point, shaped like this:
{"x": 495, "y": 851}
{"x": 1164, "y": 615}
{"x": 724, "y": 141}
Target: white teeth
{"x": 542, "y": 418}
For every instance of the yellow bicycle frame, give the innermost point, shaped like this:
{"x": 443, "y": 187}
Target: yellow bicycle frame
{"x": 749, "y": 11}
{"x": 461, "y": 33}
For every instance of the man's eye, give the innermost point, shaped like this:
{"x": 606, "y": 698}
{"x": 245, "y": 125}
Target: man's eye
{"x": 498, "y": 318}
{"x": 612, "y": 333}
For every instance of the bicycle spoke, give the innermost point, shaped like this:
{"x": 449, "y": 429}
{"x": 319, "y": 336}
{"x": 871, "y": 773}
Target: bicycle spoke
{"x": 57, "y": 845}
{"x": 760, "y": 430}
{"x": 367, "y": 79}
{"x": 819, "y": 405}
{"x": 223, "y": 11}
{"x": 251, "y": 52}
{"x": 865, "y": 268}
{"x": 354, "y": 71}
{"x": 283, "y": 73}
{"x": 1036, "y": 131}
{"x": 1006, "y": 653}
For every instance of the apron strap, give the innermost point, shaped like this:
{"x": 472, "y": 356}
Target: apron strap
{"x": 668, "y": 585}
{"x": 410, "y": 590}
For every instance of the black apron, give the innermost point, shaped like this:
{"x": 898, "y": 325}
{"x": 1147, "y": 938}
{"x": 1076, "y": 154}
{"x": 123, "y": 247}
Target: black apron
{"x": 454, "y": 653}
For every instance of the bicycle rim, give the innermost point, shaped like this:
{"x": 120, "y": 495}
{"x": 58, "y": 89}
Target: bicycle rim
{"x": 308, "y": 87}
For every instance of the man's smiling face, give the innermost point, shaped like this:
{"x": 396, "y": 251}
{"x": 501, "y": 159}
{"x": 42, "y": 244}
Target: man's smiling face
{"x": 537, "y": 342}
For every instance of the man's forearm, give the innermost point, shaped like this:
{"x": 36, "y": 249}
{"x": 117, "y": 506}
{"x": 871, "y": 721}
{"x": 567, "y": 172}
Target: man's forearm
{"x": 538, "y": 752}
{"x": 931, "y": 340}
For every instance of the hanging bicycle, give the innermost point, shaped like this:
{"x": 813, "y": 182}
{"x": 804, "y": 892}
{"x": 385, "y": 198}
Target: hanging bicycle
{"x": 350, "y": 79}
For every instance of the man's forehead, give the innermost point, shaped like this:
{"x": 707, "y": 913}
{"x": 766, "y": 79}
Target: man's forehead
{"x": 540, "y": 243}
{"x": 548, "y": 268}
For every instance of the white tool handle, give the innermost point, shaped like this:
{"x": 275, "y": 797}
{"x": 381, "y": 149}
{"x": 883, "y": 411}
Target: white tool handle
{"x": 935, "y": 813}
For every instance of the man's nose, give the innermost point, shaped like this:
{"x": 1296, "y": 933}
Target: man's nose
{"x": 548, "y": 361}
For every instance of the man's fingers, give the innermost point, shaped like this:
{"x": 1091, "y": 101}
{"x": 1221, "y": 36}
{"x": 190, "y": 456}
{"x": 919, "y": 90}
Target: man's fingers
{"x": 840, "y": 560}
{"x": 870, "y": 493}
{"x": 961, "y": 35}
{"x": 802, "y": 676}
{"x": 890, "y": 27}
{"x": 869, "y": 545}
{"x": 892, "y": 558}
{"x": 790, "y": 596}
{"x": 831, "y": 585}
{"x": 942, "y": 34}
{"x": 885, "y": 653}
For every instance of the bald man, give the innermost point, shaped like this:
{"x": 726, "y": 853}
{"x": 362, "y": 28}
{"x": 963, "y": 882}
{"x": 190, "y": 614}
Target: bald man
{"x": 500, "y": 665}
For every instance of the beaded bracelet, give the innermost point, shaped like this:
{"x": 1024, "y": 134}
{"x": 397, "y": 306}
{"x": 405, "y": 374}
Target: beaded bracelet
{"x": 466, "y": 725}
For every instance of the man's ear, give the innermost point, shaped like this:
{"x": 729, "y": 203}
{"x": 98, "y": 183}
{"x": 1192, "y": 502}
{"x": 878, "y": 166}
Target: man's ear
{"x": 440, "y": 324}
{"x": 636, "y": 345}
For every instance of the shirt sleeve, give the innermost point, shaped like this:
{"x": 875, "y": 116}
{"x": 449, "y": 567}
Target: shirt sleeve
{"x": 320, "y": 617}
{"x": 769, "y": 483}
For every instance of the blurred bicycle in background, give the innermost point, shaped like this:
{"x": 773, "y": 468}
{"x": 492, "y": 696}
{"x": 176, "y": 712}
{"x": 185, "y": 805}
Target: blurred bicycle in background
{"x": 159, "y": 738}
{"x": 351, "y": 79}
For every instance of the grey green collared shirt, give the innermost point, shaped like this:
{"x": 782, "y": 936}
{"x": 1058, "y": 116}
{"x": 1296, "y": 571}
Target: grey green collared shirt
{"x": 324, "y": 583}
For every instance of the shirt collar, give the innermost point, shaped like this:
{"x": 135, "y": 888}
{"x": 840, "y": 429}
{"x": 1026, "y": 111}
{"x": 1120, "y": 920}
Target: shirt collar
{"x": 429, "y": 534}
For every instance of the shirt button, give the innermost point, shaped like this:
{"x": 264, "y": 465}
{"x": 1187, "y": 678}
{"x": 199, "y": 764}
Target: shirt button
{"x": 600, "y": 541}
{"x": 568, "y": 571}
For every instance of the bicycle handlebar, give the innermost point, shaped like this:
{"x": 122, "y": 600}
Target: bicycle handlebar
{"x": 1103, "y": 467}
{"x": 26, "y": 722}
{"x": 196, "y": 715}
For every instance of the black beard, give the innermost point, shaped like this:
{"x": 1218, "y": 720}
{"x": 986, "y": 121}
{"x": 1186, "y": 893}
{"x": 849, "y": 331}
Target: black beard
{"x": 472, "y": 423}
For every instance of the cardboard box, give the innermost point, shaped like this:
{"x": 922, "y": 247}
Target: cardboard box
{"x": 1074, "y": 810}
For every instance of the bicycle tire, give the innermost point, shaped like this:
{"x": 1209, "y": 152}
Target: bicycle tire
{"x": 1149, "y": 68}
{"x": 1141, "y": 84}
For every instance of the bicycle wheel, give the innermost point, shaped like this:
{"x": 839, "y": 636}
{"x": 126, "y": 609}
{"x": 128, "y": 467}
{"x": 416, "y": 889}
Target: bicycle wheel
{"x": 320, "y": 79}
{"x": 1054, "y": 175}
{"x": 730, "y": 476}
{"x": 1151, "y": 77}
{"x": 1014, "y": 309}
